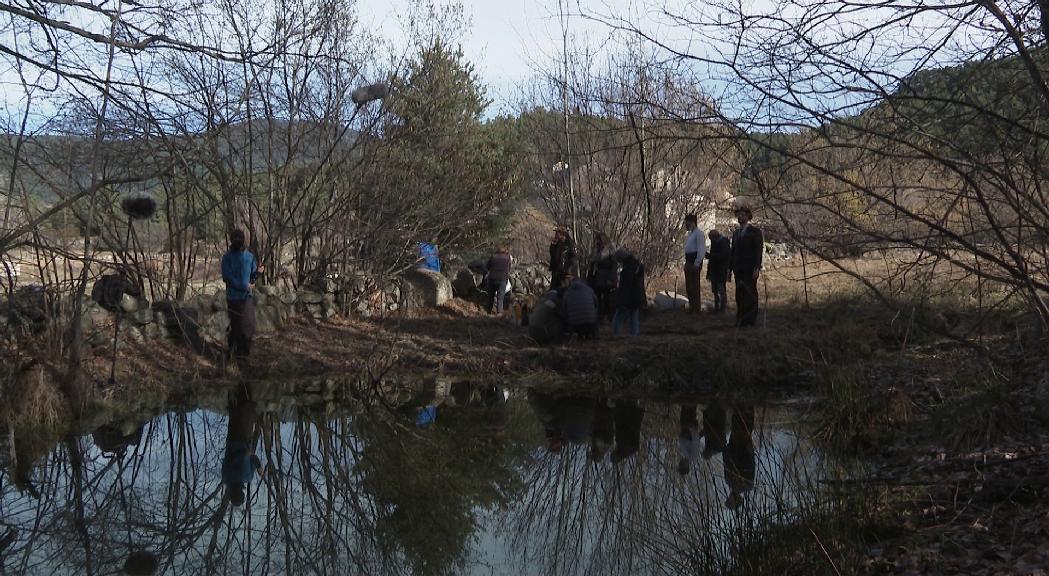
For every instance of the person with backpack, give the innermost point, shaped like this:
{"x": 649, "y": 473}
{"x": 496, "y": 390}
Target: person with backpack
{"x": 239, "y": 271}
{"x": 631, "y": 295}
{"x": 579, "y": 304}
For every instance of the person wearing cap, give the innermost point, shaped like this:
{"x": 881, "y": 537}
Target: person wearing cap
{"x": 695, "y": 246}
{"x": 748, "y": 246}
{"x": 562, "y": 257}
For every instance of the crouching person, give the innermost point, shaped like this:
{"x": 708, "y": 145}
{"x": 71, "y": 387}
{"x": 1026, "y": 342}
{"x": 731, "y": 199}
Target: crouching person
{"x": 631, "y": 295}
{"x": 579, "y": 305}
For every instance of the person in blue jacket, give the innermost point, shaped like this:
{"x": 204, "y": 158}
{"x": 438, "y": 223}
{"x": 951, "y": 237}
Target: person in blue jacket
{"x": 429, "y": 257}
{"x": 239, "y": 462}
{"x": 239, "y": 270}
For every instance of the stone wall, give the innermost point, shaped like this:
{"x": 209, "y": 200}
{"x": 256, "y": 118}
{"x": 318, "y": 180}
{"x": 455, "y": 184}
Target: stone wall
{"x": 202, "y": 319}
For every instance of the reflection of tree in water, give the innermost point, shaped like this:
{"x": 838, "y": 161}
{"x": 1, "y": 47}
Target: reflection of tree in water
{"x": 432, "y": 485}
{"x": 591, "y": 488}
{"x": 585, "y": 515}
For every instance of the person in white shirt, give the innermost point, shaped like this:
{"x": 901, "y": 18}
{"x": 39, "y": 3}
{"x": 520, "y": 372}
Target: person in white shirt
{"x": 695, "y": 247}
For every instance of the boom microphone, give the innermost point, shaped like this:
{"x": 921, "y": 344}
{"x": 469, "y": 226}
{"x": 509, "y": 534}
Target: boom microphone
{"x": 366, "y": 94}
{"x": 139, "y": 207}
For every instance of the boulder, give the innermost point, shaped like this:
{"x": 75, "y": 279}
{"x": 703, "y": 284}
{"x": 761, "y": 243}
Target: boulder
{"x": 310, "y": 298}
{"x": 267, "y": 319}
{"x": 216, "y": 327}
{"x": 130, "y": 304}
{"x": 288, "y": 297}
{"x": 670, "y": 301}
{"x": 430, "y": 289}
{"x": 142, "y": 317}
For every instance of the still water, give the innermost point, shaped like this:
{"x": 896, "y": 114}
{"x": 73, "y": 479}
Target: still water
{"x": 439, "y": 478}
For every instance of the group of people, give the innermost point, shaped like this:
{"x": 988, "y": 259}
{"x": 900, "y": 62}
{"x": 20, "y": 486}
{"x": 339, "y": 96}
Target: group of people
{"x": 614, "y": 427}
{"x": 614, "y": 285}
{"x": 741, "y": 257}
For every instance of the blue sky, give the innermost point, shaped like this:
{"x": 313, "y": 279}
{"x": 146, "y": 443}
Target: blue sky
{"x": 507, "y": 40}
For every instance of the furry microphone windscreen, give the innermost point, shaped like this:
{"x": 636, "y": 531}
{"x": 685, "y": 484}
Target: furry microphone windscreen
{"x": 139, "y": 207}
{"x": 366, "y": 94}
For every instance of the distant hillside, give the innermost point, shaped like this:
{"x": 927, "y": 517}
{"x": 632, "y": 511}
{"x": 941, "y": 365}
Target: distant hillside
{"x": 53, "y": 161}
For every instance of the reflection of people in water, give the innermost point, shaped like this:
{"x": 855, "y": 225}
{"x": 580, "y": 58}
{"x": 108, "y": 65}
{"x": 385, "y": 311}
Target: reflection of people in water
{"x": 714, "y": 421}
{"x": 628, "y": 415}
{"x": 493, "y": 398}
{"x": 739, "y": 455}
{"x": 604, "y": 431}
{"x": 240, "y": 464}
{"x": 564, "y": 419}
{"x": 688, "y": 438}
{"x": 111, "y": 439}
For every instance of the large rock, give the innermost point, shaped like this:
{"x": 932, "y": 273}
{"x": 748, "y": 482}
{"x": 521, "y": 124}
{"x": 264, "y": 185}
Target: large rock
{"x": 430, "y": 288}
{"x": 670, "y": 301}
{"x": 267, "y": 319}
{"x": 311, "y": 297}
{"x": 130, "y": 304}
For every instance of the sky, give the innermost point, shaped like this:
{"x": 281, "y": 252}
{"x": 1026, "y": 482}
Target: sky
{"x": 507, "y": 40}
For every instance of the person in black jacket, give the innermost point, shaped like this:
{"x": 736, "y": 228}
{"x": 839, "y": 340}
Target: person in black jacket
{"x": 562, "y": 257}
{"x": 748, "y": 246}
{"x": 631, "y": 295}
{"x": 717, "y": 271}
{"x": 602, "y": 274}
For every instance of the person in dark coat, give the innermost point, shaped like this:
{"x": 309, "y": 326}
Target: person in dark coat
{"x": 717, "y": 270}
{"x": 579, "y": 306}
{"x": 628, "y": 416}
{"x": 239, "y": 270}
{"x": 631, "y": 295}
{"x": 562, "y": 257}
{"x": 715, "y": 424}
{"x": 738, "y": 457}
{"x": 748, "y": 247}
{"x": 602, "y": 274}
{"x": 498, "y": 276}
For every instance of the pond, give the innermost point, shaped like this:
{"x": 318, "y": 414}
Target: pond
{"x": 436, "y": 478}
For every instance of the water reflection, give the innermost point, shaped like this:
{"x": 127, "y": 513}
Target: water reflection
{"x": 489, "y": 481}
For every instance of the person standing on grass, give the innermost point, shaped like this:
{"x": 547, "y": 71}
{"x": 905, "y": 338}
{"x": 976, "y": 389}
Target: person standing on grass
{"x": 602, "y": 274}
{"x": 748, "y": 247}
{"x": 631, "y": 295}
{"x": 562, "y": 257}
{"x": 239, "y": 271}
{"x": 717, "y": 270}
{"x": 499, "y": 265}
{"x": 695, "y": 246}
